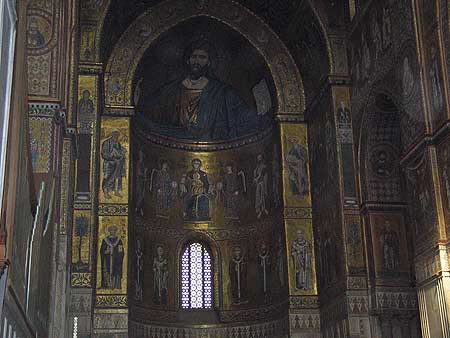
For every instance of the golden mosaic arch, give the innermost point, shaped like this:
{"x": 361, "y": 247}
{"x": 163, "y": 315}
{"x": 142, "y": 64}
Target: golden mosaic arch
{"x": 128, "y": 52}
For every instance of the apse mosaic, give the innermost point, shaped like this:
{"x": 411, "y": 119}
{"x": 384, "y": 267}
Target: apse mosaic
{"x": 229, "y": 187}
{"x": 247, "y": 191}
{"x": 200, "y": 157}
{"x": 202, "y": 81}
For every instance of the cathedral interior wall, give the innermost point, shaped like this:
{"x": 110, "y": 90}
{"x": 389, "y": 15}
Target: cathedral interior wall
{"x": 304, "y": 178}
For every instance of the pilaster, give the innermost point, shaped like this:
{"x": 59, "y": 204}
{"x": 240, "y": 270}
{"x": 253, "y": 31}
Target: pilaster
{"x": 304, "y": 315}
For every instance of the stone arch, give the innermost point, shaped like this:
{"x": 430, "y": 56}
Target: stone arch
{"x": 329, "y": 53}
{"x": 100, "y": 27}
{"x": 129, "y": 50}
{"x": 319, "y": 13}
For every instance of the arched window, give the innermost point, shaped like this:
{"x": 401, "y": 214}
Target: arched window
{"x": 196, "y": 277}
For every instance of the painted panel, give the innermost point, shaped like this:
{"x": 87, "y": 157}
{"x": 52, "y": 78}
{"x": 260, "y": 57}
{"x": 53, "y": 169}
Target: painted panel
{"x": 112, "y": 255}
{"x": 343, "y": 116}
{"x": 41, "y": 132}
{"x": 422, "y": 200}
{"x": 87, "y": 103}
{"x": 81, "y": 241}
{"x": 354, "y": 245}
{"x": 88, "y": 39}
{"x": 301, "y": 258}
{"x": 86, "y": 122}
{"x": 326, "y": 196}
{"x": 114, "y": 154}
{"x": 295, "y": 165}
{"x": 42, "y": 44}
{"x": 389, "y": 244}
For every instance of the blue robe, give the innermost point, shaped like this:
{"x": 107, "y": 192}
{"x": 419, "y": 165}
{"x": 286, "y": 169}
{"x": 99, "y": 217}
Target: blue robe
{"x": 222, "y": 114}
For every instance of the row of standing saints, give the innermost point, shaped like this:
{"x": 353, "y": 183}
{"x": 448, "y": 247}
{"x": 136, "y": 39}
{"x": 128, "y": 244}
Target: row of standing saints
{"x": 301, "y": 255}
{"x": 112, "y": 261}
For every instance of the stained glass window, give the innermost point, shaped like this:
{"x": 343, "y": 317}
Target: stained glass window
{"x": 196, "y": 278}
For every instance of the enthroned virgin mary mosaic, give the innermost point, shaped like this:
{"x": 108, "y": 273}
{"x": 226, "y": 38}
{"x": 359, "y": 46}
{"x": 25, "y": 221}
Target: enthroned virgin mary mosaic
{"x": 202, "y": 81}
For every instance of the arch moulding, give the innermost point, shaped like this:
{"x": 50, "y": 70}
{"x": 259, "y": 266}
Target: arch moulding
{"x": 130, "y": 49}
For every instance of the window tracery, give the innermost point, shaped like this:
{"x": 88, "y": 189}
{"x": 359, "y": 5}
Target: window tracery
{"x": 196, "y": 277}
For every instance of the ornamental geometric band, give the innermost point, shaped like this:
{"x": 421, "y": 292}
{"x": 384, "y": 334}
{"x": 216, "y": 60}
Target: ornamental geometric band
{"x": 196, "y": 278}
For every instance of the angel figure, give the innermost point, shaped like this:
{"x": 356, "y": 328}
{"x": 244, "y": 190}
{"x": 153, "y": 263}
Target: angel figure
{"x": 231, "y": 189}
{"x": 141, "y": 183}
{"x": 260, "y": 180}
{"x": 162, "y": 185}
